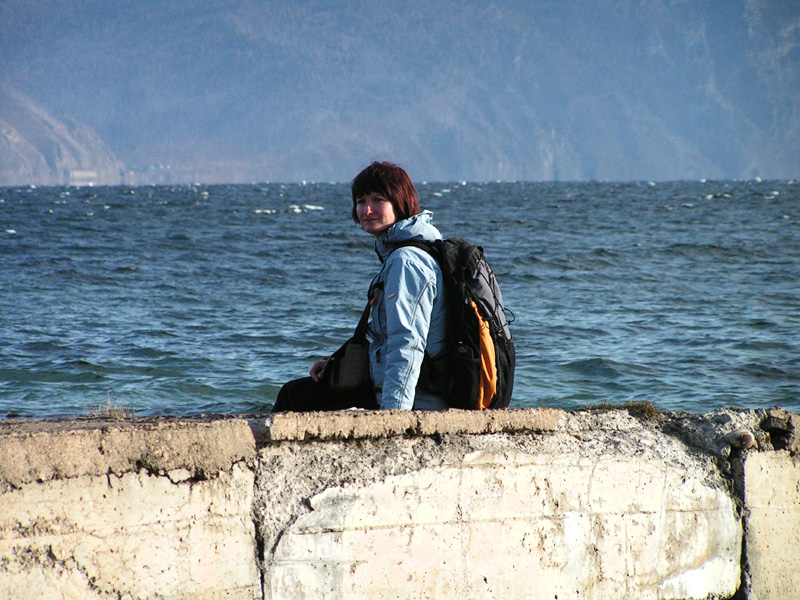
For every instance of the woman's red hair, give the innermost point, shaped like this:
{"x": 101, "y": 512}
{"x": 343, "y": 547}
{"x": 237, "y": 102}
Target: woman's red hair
{"x": 391, "y": 182}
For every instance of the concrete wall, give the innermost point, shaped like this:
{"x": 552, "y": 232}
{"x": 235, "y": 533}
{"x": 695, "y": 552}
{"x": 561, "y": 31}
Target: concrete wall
{"x": 128, "y": 510}
{"x": 506, "y": 504}
{"x": 772, "y": 498}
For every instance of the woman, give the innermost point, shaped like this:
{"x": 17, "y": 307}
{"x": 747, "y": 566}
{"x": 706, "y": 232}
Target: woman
{"x": 408, "y": 316}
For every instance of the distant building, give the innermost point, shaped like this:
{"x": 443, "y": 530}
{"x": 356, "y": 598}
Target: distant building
{"x": 80, "y": 177}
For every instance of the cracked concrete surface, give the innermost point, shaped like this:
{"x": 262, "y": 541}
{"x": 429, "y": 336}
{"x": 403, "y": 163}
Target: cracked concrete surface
{"x": 597, "y": 504}
{"x": 139, "y": 509}
{"x": 134, "y": 535}
{"x": 46, "y": 450}
{"x": 356, "y": 504}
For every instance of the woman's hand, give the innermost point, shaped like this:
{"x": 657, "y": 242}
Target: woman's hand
{"x": 318, "y": 368}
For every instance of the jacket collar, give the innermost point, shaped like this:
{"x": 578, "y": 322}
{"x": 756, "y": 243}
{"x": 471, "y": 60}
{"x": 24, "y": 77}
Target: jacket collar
{"x": 418, "y": 227}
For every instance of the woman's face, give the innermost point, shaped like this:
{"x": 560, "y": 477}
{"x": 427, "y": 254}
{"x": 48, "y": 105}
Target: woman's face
{"x": 375, "y": 213}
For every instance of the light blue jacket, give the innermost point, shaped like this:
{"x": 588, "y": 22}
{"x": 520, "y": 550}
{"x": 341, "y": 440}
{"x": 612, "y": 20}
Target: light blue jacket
{"x": 408, "y": 316}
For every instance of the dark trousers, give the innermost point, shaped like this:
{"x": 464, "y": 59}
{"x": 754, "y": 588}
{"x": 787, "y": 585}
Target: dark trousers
{"x": 307, "y": 395}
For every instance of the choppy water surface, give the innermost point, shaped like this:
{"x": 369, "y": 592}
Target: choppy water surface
{"x": 205, "y": 299}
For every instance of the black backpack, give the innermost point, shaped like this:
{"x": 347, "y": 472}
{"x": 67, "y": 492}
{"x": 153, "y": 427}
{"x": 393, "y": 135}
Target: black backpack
{"x": 477, "y": 370}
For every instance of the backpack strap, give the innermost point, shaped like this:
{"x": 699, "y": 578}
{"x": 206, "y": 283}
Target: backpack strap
{"x": 455, "y": 318}
{"x": 433, "y": 373}
{"x": 361, "y": 329}
{"x": 429, "y": 247}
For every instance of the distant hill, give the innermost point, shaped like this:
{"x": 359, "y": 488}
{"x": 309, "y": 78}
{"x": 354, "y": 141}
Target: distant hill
{"x": 274, "y": 90}
{"x": 38, "y": 148}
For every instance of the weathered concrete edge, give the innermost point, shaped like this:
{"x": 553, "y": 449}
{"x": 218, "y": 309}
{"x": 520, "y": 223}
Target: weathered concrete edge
{"x": 355, "y": 424}
{"x": 33, "y": 451}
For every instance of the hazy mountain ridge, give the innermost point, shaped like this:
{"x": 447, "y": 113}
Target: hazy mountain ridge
{"x": 38, "y": 148}
{"x": 244, "y": 91}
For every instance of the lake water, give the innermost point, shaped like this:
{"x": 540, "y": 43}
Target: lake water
{"x": 205, "y": 299}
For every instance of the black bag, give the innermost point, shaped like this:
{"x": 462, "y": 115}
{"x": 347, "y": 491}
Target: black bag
{"x": 477, "y": 370}
{"x": 348, "y": 368}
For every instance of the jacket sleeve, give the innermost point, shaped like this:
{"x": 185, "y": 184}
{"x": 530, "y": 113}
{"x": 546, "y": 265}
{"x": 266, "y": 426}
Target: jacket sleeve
{"x": 408, "y": 295}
